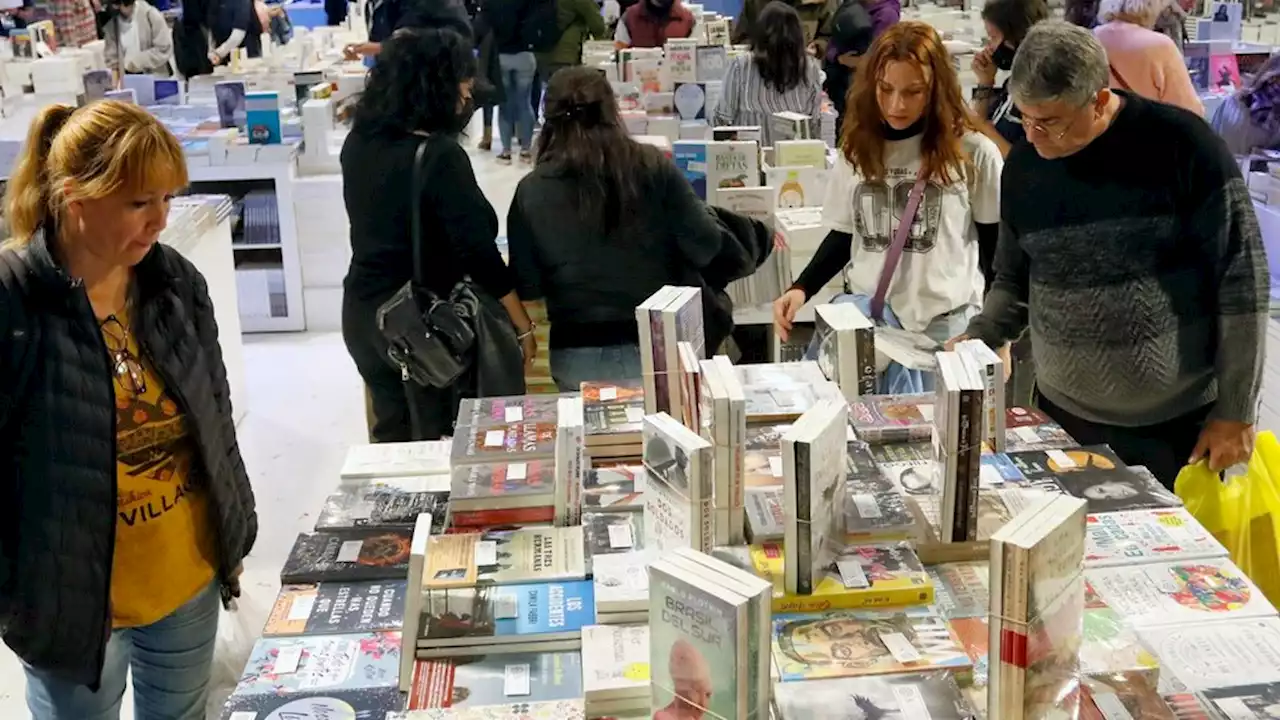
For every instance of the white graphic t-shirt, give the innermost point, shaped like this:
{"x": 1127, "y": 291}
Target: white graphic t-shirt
{"x": 938, "y": 271}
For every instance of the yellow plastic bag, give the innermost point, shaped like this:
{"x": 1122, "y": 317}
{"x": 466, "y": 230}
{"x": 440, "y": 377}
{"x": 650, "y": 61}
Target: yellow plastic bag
{"x": 1243, "y": 512}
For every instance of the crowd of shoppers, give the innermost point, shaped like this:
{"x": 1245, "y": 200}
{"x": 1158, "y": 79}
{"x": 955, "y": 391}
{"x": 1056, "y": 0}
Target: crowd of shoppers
{"x": 1249, "y": 119}
{"x": 1141, "y": 60}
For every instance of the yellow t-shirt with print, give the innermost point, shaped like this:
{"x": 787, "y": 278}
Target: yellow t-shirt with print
{"x": 165, "y": 550}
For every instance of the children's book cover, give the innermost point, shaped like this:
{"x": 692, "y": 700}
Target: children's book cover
{"x": 323, "y": 662}
{"x": 845, "y": 643}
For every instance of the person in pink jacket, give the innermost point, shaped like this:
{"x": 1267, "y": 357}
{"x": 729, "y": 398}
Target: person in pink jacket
{"x": 1142, "y": 60}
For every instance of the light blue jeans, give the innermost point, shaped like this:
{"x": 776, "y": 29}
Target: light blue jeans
{"x": 171, "y": 661}
{"x": 570, "y": 367}
{"x": 515, "y": 115}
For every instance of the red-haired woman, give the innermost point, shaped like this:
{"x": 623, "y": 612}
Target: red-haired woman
{"x": 911, "y": 158}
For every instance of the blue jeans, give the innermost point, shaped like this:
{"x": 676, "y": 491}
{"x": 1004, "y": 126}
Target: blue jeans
{"x": 570, "y": 367}
{"x": 515, "y": 116}
{"x": 171, "y": 660}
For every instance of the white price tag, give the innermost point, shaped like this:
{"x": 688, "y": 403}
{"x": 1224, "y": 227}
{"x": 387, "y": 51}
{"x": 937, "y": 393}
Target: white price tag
{"x": 1112, "y": 708}
{"x": 852, "y": 574}
{"x": 1061, "y": 459}
{"x": 244, "y": 715}
{"x": 301, "y": 607}
{"x": 640, "y": 480}
{"x": 989, "y": 476}
{"x": 608, "y": 393}
{"x": 911, "y": 703}
{"x": 635, "y": 414}
{"x": 495, "y": 438}
{"x": 517, "y": 471}
{"x": 927, "y": 412}
{"x": 866, "y": 505}
{"x": 514, "y": 414}
{"x": 486, "y": 553}
{"x": 505, "y": 606}
{"x": 287, "y": 660}
{"x": 516, "y": 680}
{"x": 350, "y": 551}
{"x": 899, "y": 647}
{"x": 620, "y": 536}
{"x": 1027, "y": 434}
{"x": 775, "y": 466}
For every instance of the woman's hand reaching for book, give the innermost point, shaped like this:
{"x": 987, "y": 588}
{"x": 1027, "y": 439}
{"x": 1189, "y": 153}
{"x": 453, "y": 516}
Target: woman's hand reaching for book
{"x": 784, "y": 311}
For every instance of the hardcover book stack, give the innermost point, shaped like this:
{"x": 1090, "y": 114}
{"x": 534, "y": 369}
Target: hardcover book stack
{"x": 723, "y": 423}
{"x": 668, "y": 317}
{"x": 612, "y": 412}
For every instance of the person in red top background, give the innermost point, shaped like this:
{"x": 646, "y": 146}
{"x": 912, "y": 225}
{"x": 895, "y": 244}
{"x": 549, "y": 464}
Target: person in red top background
{"x": 651, "y": 23}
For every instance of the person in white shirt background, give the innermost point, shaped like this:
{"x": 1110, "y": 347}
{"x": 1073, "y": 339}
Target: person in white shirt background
{"x": 138, "y": 39}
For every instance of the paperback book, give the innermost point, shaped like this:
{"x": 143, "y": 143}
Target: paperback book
{"x": 766, "y": 514}
{"x": 874, "y": 506}
{"x": 614, "y": 489}
{"x": 570, "y": 460}
{"x": 615, "y": 662}
{"x": 885, "y": 419}
{"x": 385, "y": 460}
{"x": 505, "y": 618}
{"x": 337, "y": 607}
{"x": 499, "y": 412}
{"x": 679, "y": 487}
{"x": 934, "y": 696}
{"x": 723, "y": 423}
{"x": 321, "y": 662}
{"x": 502, "y": 486}
{"x": 504, "y": 557}
{"x": 851, "y": 643}
{"x": 1097, "y": 475}
{"x": 1203, "y": 656}
{"x": 762, "y": 455}
{"x": 711, "y": 63}
{"x": 1029, "y": 429}
{"x": 383, "y": 505}
{"x": 378, "y": 703}
{"x": 481, "y": 681}
{"x": 846, "y": 348}
{"x": 858, "y": 576}
{"x": 732, "y": 164}
{"x": 963, "y": 589}
{"x": 1140, "y": 536}
{"x": 957, "y": 447}
{"x": 347, "y": 555}
{"x": 608, "y": 533}
{"x": 782, "y": 392}
{"x": 807, "y": 153}
{"x": 1169, "y": 593}
{"x": 797, "y": 186}
{"x": 988, "y": 367}
{"x": 813, "y": 460}
{"x": 1108, "y": 644}
{"x": 680, "y": 61}
{"x": 513, "y": 442}
{"x": 621, "y": 582}
{"x": 1246, "y": 703}
{"x": 1130, "y": 694}
{"x": 511, "y": 710}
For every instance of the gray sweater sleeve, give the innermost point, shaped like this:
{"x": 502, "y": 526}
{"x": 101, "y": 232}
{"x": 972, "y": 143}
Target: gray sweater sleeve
{"x": 1228, "y": 228}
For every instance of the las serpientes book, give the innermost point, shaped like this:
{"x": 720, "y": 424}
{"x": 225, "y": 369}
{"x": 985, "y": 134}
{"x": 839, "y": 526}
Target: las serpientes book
{"x": 1190, "y": 591}
{"x": 337, "y": 607}
{"x": 502, "y": 411}
{"x": 697, "y": 644}
{"x": 909, "y": 695}
{"x": 513, "y": 442}
{"x": 379, "y": 703}
{"x": 504, "y": 557}
{"x": 321, "y": 662}
{"x": 874, "y": 575}
{"x": 479, "y": 681}
{"x": 882, "y": 419}
{"x": 503, "y": 485}
{"x": 1204, "y": 656}
{"x": 348, "y": 555}
{"x": 471, "y": 621}
{"x": 1137, "y": 536}
{"x": 847, "y": 643}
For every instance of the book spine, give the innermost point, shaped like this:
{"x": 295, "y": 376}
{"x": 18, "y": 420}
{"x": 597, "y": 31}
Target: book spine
{"x": 865, "y": 342}
{"x": 737, "y": 483}
{"x": 477, "y": 519}
{"x": 804, "y": 518}
{"x": 670, "y": 347}
{"x": 700, "y": 477}
{"x": 964, "y": 430}
{"x": 973, "y": 470}
{"x": 791, "y": 540}
{"x": 646, "y": 360}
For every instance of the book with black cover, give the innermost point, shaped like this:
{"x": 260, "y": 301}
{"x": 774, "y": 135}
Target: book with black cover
{"x": 348, "y": 555}
{"x": 379, "y": 506}
{"x": 613, "y": 488}
{"x": 362, "y": 704}
{"x": 337, "y": 607}
{"x": 1095, "y": 474}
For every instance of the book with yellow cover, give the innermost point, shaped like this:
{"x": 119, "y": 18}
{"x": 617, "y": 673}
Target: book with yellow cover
{"x": 859, "y": 576}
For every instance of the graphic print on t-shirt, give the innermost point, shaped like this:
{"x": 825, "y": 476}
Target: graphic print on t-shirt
{"x": 148, "y": 440}
{"x": 878, "y": 207}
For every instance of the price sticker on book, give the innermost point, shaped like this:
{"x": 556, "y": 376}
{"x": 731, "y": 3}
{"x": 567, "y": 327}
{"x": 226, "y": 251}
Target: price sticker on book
{"x": 608, "y": 393}
{"x": 926, "y": 411}
{"x": 244, "y": 715}
{"x": 506, "y": 606}
{"x": 301, "y": 607}
{"x": 852, "y": 574}
{"x": 866, "y": 505}
{"x": 775, "y": 465}
{"x": 989, "y": 476}
{"x": 900, "y": 647}
{"x": 639, "y": 480}
{"x": 911, "y": 703}
{"x": 517, "y": 471}
{"x": 514, "y": 414}
{"x": 349, "y": 551}
{"x": 1112, "y": 708}
{"x": 1061, "y": 459}
{"x": 635, "y": 414}
{"x": 287, "y": 660}
{"x": 1027, "y": 434}
{"x": 637, "y": 672}
{"x": 486, "y": 553}
{"x": 620, "y": 537}
{"x": 516, "y": 680}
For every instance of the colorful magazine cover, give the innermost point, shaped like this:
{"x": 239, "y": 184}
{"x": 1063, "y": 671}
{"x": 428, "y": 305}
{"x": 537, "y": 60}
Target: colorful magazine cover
{"x": 846, "y": 643}
{"x": 1182, "y": 592}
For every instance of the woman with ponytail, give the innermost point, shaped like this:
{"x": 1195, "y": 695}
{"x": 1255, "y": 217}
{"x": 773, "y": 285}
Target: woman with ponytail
{"x": 602, "y": 223}
{"x": 127, "y": 509}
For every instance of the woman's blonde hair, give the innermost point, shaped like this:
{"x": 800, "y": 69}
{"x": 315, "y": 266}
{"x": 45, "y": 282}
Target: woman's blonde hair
{"x": 1138, "y": 12}
{"x": 102, "y": 148}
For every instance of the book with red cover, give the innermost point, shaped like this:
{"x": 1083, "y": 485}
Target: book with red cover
{"x": 476, "y": 520}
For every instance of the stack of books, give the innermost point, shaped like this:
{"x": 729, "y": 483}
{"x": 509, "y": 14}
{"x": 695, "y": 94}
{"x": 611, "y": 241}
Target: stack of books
{"x": 613, "y": 412}
{"x": 678, "y": 486}
{"x": 813, "y": 468}
{"x": 456, "y": 687}
{"x": 892, "y": 419}
{"x": 723, "y": 423}
{"x": 615, "y": 674}
{"x": 668, "y": 317}
{"x": 846, "y": 349}
{"x": 512, "y": 434}
{"x": 957, "y": 447}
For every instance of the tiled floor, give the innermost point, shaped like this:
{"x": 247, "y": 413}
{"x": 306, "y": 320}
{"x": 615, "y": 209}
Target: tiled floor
{"x": 305, "y": 407}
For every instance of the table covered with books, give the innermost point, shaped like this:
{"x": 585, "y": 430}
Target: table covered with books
{"x": 750, "y": 542}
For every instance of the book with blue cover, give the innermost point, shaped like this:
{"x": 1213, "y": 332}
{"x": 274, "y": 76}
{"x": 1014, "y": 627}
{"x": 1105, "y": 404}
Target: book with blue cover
{"x": 262, "y": 114}
{"x": 691, "y": 158}
{"x": 479, "y": 620}
{"x": 321, "y": 662}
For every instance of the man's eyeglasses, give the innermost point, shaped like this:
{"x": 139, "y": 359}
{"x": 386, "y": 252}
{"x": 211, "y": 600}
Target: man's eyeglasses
{"x": 125, "y": 366}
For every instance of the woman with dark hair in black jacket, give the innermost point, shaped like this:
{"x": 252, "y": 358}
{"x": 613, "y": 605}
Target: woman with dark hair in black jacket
{"x": 602, "y": 223}
{"x": 127, "y": 509}
{"x": 419, "y": 91}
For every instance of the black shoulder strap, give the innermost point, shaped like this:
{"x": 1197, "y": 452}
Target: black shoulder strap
{"x": 19, "y": 356}
{"x": 416, "y": 187}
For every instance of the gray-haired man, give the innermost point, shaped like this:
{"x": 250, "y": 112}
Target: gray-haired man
{"x": 1128, "y": 240}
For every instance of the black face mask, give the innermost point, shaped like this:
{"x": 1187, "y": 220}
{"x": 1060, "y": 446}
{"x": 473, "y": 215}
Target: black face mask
{"x": 1002, "y": 57}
